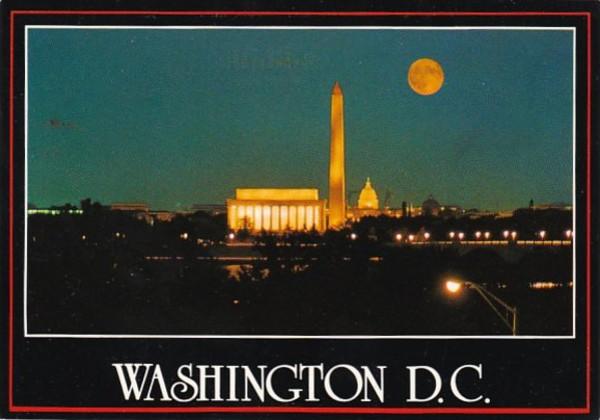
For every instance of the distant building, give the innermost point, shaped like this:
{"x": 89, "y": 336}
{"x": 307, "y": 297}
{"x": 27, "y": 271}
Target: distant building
{"x": 431, "y": 207}
{"x": 138, "y": 210}
{"x": 130, "y": 207}
{"x": 276, "y": 209}
{"x": 451, "y": 210}
{"x": 553, "y": 206}
{"x": 212, "y": 209}
{"x": 54, "y": 211}
{"x": 160, "y": 216}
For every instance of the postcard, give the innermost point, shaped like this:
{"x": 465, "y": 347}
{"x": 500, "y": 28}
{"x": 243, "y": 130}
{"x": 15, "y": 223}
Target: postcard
{"x": 299, "y": 211}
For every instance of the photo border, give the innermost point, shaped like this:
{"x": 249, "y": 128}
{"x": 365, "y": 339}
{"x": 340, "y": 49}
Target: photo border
{"x": 278, "y": 409}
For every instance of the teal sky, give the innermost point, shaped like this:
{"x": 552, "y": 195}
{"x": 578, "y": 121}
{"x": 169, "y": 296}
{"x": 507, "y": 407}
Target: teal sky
{"x": 176, "y": 117}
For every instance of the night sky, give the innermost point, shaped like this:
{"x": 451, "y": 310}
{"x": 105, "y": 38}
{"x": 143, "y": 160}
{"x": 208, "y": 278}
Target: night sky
{"x": 177, "y": 117}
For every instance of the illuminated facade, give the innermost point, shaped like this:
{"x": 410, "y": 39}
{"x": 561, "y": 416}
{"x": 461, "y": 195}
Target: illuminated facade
{"x": 368, "y": 197}
{"x": 337, "y": 177}
{"x": 368, "y": 203}
{"x": 276, "y": 210}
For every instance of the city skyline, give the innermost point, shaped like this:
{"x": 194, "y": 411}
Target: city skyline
{"x": 184, "y": 129}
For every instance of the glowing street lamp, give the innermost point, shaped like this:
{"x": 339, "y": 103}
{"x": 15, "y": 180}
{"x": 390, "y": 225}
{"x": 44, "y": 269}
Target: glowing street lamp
{"x": 411, "y": 237}
{"x": 353, "y": 236}
{"x": 451, "y": 234}
{"x": 461, "y": 236}
{"x": 477, "y": 234}
{"x": 569, "y": 233}
{"x": 487, "y": 235}
{"x": 509, "y": 318}
{"x": 427, "y": 235}
{"x": 453, "y": 286}
{"x": 231, "y": 236}
{"x": 505, "y": 234}
{"x": 398, "y": 237}
{"x": 542, "y": 234}
{"x": 513, "y": 235}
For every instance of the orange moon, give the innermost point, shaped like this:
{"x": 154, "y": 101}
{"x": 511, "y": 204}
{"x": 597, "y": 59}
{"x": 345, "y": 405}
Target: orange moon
{"x": 425, "y": 76}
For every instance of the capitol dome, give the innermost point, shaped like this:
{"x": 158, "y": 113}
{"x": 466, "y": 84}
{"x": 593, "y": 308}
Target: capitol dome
{"x": 368, "y": 197}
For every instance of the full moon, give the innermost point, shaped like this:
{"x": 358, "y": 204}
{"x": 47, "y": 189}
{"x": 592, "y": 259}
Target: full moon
{"x": 425, "y": 76}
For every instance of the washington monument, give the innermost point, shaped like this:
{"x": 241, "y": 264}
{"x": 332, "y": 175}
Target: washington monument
{"x": 337, "y": 176}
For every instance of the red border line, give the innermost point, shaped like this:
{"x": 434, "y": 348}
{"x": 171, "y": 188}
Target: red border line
{"x": 288, "y": 409}
{"x": 286, "y": 13}
{"x": 11, "y": 124}
{"x": 588, "y": 349}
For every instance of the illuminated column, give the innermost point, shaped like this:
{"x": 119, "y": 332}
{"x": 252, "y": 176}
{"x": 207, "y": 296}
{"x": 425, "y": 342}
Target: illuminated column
{"x": 275, "y": 215}
{"x": 257, "y": 217}
{"x": 283, "y": 219}
{"x": 293, "y": 218}
{"x": 301, "y": 217}
{"x": 310, "y": 221}
{"x": 266, "y": 217}
{"x": 240, "y": 217}
{"x": 337, "y": 179}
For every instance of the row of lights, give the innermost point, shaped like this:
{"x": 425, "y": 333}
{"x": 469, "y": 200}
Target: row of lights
{"x": 452, "y": 235}
{"x": 478, "y": 235}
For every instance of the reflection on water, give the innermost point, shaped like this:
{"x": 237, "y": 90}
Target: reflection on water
{"x": 235, "y": 271}
{"x": 548, "y": 285}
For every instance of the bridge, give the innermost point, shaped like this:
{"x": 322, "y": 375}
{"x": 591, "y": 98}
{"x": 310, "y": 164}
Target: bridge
{"x": 509, "y": 250}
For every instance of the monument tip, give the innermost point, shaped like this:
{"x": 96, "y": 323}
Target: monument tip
{"x": 337, "y": 89}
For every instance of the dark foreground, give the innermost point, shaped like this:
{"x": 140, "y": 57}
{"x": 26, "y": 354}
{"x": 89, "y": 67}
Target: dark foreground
{"x": 109, "y": 291}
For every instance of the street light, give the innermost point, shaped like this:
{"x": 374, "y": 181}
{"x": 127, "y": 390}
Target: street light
{"x": 461, "y": 236}
{"x": 451, "y": 234}
{"x": 477, "y": 234}
{"x": 353, "y": 236}
{"x": 454, "y": 286}
{"x": 427, "y": 235}
{"x": 505, "y": 234}
{"x": 542, "y": 234}
{"x": 487, "y": 235}
{"x": 398, "y": 237}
